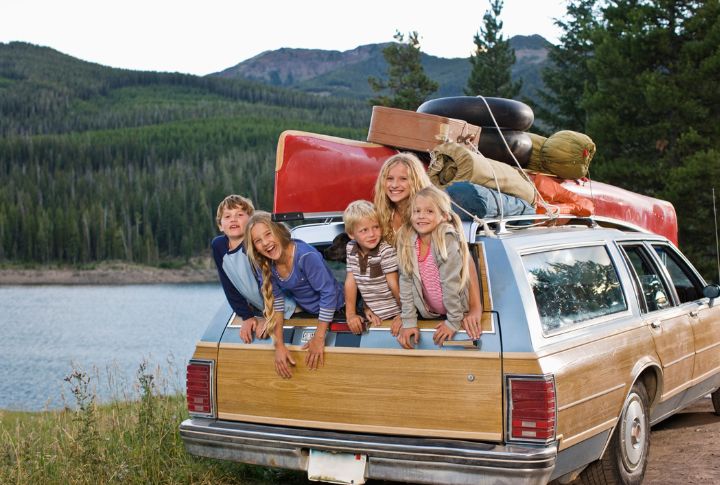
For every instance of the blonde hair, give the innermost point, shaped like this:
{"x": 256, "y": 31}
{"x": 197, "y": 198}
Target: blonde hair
{"x": 231, "y": 202}
{"x": 356, "y": 211}
{"x": 262, "y": 263}
{"x": 383, "y": 205}
{"x": 451, "y": 222}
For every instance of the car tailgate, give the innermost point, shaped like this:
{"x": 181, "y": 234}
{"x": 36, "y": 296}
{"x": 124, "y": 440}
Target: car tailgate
{"x": 368, "y": 384}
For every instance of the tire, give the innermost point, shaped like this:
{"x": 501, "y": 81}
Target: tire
{"x": 492, "y": 146}
{"x": 716, "y": 401}
{"x": 625, "y": 459}
{"x": 508, "y": 113}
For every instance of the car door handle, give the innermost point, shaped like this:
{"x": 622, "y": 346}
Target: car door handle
{"x": 655, "y": 324}
{"x": 467, "y": 344}
{"x": 694, "y": 313}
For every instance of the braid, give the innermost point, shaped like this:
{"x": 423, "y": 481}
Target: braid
{"x": 262, "y": 264}
{"x": 267, "y": 295}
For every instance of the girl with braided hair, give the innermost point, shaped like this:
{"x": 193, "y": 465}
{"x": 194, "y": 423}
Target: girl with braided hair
{"x": 292, "y": 267}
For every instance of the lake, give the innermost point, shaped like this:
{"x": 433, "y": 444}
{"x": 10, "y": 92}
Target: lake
{"x": 105, "y": 331}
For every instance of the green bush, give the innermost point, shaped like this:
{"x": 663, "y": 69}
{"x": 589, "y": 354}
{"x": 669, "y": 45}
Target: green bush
{"x": 133, "y": 441}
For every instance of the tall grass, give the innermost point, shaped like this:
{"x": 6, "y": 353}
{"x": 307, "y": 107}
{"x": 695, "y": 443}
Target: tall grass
{"x": 133, "y": 440}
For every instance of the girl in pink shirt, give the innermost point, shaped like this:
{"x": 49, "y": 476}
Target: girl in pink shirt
{"x": 434, "y": 262}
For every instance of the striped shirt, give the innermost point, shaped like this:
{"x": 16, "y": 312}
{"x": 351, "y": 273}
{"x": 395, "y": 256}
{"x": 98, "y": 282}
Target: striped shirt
{"x": 430, "y": 278}
{"x": 370, "y": 272}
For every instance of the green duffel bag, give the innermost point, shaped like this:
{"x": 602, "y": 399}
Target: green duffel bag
{"x": 567, "y": 154}
{"x": 453, "y": 162}
{"x": 535, "y": 163}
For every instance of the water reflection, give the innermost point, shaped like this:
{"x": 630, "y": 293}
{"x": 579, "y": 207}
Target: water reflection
{"x": 46, "y": 330}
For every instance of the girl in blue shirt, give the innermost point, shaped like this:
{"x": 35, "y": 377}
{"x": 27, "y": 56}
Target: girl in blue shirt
{"x": 292, "y": 267}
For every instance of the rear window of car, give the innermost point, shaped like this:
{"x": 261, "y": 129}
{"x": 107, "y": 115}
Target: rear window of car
{"x": 573, "y": 286}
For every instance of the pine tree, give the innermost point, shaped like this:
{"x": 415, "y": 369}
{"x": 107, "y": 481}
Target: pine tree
{"x": 568, "y": 75}
{"x": 639, "y": 106}
{"x": 407, "y": 82}
{"x": 493, "y": 59}
{"x": 651, "y": 108}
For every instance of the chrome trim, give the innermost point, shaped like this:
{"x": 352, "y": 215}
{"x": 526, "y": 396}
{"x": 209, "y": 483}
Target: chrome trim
{"x": 488, "y": 290}
{"x": 422, "y": 460}
{"x": 627, "y": 312}
{"x": 508, "y": 402}
{"x": 211, "y": 364}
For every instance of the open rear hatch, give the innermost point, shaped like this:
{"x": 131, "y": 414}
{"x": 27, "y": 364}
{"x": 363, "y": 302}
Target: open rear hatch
{"x": 368, "y": 384}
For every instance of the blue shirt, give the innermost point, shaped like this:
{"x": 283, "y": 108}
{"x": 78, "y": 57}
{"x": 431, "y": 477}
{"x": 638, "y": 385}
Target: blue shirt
{"x": 310, "y": 283}
{"x": 239, "y": 281}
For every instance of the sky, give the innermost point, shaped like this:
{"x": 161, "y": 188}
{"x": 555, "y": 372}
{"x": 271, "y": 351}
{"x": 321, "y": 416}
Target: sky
{"x": 205, "y": 36}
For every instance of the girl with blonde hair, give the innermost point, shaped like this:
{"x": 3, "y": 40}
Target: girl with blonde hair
{"x": 400, "y": 178}
{"x": 434, "y": 260}
{"x": 293, "y": 267}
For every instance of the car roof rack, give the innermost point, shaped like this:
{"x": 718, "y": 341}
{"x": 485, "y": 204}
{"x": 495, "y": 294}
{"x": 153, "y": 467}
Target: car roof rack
{"x": 306, "y": 216}
{"x": 505, "y": 225}
{"x": 491, "y": 227}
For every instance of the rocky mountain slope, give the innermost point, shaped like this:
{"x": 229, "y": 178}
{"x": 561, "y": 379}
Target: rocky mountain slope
{"x": 345, "y": 73}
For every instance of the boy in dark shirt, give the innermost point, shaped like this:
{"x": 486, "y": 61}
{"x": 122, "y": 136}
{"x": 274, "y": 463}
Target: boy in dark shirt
{"x": 238, "y": 278}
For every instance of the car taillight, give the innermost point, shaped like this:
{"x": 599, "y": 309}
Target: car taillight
{"x": 199, "y": 388}
{"x": 532, "y": 410}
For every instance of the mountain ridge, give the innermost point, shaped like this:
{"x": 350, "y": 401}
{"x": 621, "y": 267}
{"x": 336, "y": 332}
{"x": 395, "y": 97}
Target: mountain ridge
{"x": 345, "y": 73}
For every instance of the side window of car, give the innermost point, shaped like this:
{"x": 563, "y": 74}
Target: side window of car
{"x": 573, "y": 285}
{"x": 654, "y": 292}
{"x": 686, "y": 283}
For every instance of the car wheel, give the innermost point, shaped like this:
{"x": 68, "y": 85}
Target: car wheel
{"x": 625, "y": 458}
{"x": 716, "y": 401}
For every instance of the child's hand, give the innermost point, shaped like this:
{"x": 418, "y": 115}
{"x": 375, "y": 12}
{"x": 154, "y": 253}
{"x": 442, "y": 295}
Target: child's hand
{"x": 409, "y": 337}
{"x": 283, "y": 361}
{"x": 442, "y": 333}
{"x": 395, "y": 326}
{"x": 372, "y": 318}
{"x": 355, "y": 323}
{"x": 247, "y": 328}
{"x": 261, "y": 328}
{"x": 471, "y": 322}
{"x": 316, "y": 351}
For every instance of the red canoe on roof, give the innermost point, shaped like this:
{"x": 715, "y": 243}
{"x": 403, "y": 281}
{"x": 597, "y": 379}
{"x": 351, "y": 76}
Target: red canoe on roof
{"x": 320, "y": 173}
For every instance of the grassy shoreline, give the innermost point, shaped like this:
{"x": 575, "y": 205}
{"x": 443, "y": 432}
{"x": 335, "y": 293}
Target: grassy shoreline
{"x": 198, "y": 270}
{"x": 132, "y": 441}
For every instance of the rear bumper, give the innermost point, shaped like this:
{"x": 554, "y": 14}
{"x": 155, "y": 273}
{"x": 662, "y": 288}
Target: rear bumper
{"x": 396, "y": 458}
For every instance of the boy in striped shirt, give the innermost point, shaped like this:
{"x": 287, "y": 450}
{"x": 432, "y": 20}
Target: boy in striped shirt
{"x": 372, "y": 268}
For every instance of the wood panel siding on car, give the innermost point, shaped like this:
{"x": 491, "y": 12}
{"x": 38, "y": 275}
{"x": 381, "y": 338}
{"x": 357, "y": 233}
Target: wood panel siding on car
{"x": 206, "y": 350}
{"x": 706, "y": 328}
{"x": 408, "y": 392}
{"x": 592, "y": 377}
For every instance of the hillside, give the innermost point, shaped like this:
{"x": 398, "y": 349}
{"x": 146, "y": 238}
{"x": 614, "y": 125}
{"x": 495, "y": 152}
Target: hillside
{"x": 99, "y": 163}
{"x": 345, "y": 74}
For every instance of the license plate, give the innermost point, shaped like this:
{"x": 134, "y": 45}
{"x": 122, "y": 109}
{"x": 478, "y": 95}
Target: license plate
{"x": 336, "y": 467}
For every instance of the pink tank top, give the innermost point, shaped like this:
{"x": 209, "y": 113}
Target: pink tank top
{"x": 430, "y": 278}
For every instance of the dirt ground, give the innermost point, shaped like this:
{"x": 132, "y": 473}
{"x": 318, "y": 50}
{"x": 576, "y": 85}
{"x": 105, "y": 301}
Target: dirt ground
{"x": 685, "y": 448}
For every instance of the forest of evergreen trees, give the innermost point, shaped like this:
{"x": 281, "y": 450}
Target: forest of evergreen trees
{"x": 99, "y": 163}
